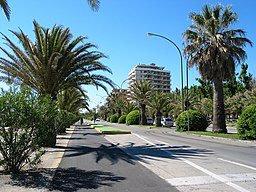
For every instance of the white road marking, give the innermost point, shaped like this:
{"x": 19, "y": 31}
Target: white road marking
{"x": 218, "y": 177}
{"x": 201, "y": 180}
{"x": 240, "y": 164}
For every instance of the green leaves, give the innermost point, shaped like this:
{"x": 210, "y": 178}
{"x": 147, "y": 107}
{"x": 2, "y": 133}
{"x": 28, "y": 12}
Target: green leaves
{"x": 54, "y": 62}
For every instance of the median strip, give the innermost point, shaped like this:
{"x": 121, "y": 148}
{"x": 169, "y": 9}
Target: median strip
{"x": 110, "y": 130}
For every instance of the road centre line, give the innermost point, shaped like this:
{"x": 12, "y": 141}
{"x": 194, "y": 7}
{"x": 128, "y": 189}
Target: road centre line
{"x": 220, "y": 178}
{"x": 240, "y": 164}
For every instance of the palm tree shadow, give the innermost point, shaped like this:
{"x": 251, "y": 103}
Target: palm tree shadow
{"x": 70, "y": 179}
{"x": 110, "y": 152}
{"x": 73, "y": 179}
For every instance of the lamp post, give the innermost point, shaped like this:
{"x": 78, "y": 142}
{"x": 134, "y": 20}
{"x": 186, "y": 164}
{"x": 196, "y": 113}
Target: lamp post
{"x": 181, "y": 65}
{"x": 123, "y": 83}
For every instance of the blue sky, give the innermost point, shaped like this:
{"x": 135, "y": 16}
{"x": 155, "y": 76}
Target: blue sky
{"x": 120, "y": 28}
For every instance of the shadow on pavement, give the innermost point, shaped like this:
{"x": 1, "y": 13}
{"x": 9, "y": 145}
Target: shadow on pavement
{"x": 70, "y": 179}
{"x": 109, "y": 152}
{"x": 162, "y": 151}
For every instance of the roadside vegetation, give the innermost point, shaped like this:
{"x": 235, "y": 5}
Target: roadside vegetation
{"x": 221, "y": 95}
{"x": 48, "y": 73}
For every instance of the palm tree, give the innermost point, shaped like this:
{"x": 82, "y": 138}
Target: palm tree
{"x": 215, "y": 50}
{"x": 116, "y": 102}
{"x": 94, "y": 4}
{"x": 141, "y": 91}
{"x": 52, "y": 63}
{"x": 157, "y": 102}
{"x": 72, "y": 100}
{"x": 4, "y": 5}
{"x": 128, "y": 107}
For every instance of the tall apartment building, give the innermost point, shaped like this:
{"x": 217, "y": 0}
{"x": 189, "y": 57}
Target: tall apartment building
{"x": 160, "y": 78}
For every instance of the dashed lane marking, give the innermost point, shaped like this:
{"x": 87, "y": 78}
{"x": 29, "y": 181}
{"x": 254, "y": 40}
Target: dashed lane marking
{"x": 215, "y": 176}
{"x": 240, "y": 164}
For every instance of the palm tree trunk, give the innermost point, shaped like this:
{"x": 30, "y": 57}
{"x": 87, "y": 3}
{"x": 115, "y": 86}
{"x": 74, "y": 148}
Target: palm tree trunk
{"x": 219, "y": 124}
{"x": 158, "y": 115}
{"x": 143, "y": 119}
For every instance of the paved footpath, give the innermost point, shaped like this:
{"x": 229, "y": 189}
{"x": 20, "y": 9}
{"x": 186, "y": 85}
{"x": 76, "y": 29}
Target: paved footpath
{"x": 91, "y": 163}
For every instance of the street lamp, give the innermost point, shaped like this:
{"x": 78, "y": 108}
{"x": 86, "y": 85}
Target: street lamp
{"x": 181, "y": 65}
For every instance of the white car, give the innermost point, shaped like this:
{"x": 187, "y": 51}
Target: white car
{"x": 167, "y": 122}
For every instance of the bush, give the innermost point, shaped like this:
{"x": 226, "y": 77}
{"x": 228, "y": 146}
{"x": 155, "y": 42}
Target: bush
{"x": 47, "y": 116}
{"x": 246, "y": 125}
{"x": 64, "y": 120}
{"x": 114, "y": 118}
{"x": 20, "y": 122}
{"x": 133, "y": 118}
{"x": 197, "y": 121}
{"x": 122, "y": 119}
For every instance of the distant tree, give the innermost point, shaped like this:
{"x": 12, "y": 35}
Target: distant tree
{"x": 215, "y": 50}
{"x": 141, "y": 91}
{"x": 245, "y": 79}
{"x": 205, "y": 89}
{"x": 157, "y": 102}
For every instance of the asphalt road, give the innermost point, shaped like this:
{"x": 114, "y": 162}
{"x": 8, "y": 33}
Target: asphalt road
{"x": 91, "y": 163}
{"x": 190, "y": 162}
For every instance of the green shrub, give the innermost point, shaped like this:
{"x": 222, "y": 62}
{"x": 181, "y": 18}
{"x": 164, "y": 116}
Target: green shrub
{"x": 20, "y": 125}
{"x": 114, "y": 118}
{"x": 197, "y": 121}
{"x": 122, "y": 119}
{"x": 48, "y": 113}
{"x": 133, "y": 118}
{"x": 246, "y": 125}
{"x": 64, "y": 120}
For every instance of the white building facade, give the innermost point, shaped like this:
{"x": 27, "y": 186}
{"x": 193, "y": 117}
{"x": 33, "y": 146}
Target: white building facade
{"x": 159, "y": 78}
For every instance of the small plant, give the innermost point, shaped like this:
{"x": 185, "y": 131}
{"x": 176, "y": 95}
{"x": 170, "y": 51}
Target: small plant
{"x": 133, "y": 118}
{"x": 19, "y": 122}
{"x": 114, "y": 118}
{"x": 246, "y": 125}
{"x": 197, "y": 121}
{"x": 122, "y": 119}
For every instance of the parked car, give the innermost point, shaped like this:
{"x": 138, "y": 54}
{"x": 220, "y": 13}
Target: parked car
{"x": 149, "y": 120}
{"x": 167, "y": 122}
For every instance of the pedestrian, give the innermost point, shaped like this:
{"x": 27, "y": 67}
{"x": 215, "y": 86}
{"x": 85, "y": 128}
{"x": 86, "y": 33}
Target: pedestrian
{"x": 81, "y": 120}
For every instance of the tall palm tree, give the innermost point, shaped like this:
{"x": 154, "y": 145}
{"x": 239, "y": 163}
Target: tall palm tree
{"x": 4, "y": 5}
{"x": 141, "y": 91}
{"x": 215, "y": 50}
{"x": 53, "y": 62}
{"x": 157, "y": 102}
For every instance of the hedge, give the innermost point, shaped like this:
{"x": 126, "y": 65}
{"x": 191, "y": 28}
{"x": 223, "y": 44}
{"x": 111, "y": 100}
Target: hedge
{"x": 133, "y": 118}
{"x": 246, "y": 124}
{"x": 197, "y": 121}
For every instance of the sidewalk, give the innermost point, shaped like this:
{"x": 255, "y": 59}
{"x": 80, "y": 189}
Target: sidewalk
{"x": 39, "y": 179}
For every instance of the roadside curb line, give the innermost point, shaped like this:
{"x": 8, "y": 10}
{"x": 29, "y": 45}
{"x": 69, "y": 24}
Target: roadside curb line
{"x": 52, "y": 159}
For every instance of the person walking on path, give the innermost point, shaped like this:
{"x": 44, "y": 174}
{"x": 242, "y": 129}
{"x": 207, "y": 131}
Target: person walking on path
{"x": 81, "y": 121}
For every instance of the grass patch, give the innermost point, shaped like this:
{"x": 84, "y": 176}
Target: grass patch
{"x": 111, "y": 130}
{"x": 222, "y": 135}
